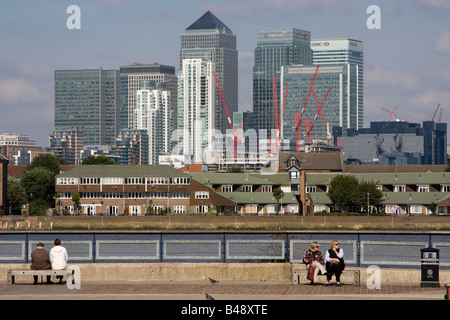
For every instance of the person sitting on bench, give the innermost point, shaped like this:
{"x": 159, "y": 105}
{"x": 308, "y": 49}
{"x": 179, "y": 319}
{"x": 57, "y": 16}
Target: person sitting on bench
{"x": 40, "y": 260}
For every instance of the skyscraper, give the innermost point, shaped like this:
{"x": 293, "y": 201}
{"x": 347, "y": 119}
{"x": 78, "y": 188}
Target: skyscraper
{"x": 153, "y": 114}
{"x": 88, "y": 100}
{"x": 211, "y": 40}
{"x": 275, "y": 48}
{"x": 196, "y": 108}
{"x": 336, "y": 90}
{"x": 131, "y": 79}
{"x": 343, "y": 51}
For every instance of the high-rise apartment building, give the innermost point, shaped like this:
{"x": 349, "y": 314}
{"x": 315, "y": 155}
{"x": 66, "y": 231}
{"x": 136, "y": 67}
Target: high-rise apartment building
{"x": 154, "y": 115}
{"x": 275, "y": 48}
{"x": 132, "y": 78}
{"x": 211, "y": 40}
{"x": 196, "y": 108}
{"x": 131, "y": 147}
{"x": 343, "y": 51}
{"x": 67, "y": 144}
{"x": 338, "y": 105}
{"x": 88, "y": 100}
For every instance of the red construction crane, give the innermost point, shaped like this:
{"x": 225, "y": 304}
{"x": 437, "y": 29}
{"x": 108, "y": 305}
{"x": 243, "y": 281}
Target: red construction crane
{"x": 298, "y": 120}
{"x": 230, "y": 123}
{"x": 392, "y": 114}
{"x": 437, "y": 108}
{"x": 440, "y": 117}
{"x": 278, "y": 121}
{"x": 320, "y": 112}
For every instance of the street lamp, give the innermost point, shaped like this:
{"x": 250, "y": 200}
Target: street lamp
{"x": 368, "y": 205}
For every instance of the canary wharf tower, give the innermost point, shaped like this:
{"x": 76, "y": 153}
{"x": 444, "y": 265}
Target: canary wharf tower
{"x": 211, "y": 40}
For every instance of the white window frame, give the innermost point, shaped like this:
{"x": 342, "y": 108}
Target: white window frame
{"x": 201, "y": 194}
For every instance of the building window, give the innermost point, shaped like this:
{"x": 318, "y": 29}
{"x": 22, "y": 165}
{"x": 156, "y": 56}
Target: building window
{"x": 295, "y": 174}
{"x": 445, "y": 188}
{"x": 251, "y": 208}
{"x": 90, "y": 180}
{"x": 179, "y": 209}
{"x": 266, "y": 188}
{"x": 415, "y": 209}
{"x": 134, "y": 210}
{"x": 202, "y": 195}
{"x": 310, "y": 189}
{"x": 64, "y": 181}
{"x": 400, "y": 188}
{"x": 247, "y": 188}
{"x": 227, "y": 188}
{"x": 134, "y": 180}
{"x": 112, "y": 181}
{"x": 423, "y": 188}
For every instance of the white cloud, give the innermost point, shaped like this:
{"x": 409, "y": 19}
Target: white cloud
{"x": 446, "y": 75}
{"x": 442, "y": 42}
{"x": 16, "y": 91}
{"x": 435, "y": 4}
{"x": 396, "y": 79}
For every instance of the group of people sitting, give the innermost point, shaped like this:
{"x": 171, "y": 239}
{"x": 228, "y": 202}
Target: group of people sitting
{"x": 43, "y": 260}
{"x": 333, "y": 263}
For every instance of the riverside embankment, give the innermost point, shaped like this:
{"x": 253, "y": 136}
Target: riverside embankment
{"x": 227, "y": 223}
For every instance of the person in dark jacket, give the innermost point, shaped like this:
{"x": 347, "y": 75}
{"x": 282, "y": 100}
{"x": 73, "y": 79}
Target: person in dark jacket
{"x": 40, "y": 260}
{"x": 335, "y": 264}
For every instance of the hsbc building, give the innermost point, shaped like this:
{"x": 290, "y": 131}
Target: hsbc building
{"x": 342, "y": 51}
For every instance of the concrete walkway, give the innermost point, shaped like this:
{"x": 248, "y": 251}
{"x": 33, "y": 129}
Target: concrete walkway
{"x": 225, "y": 290}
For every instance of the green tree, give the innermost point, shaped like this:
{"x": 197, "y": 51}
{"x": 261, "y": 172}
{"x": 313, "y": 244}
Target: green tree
{"x": 278, "y": 194}
{"x": 48, "y": 161}
{"x": 101, "y": 159}
{"x": 76, "y": 202}
{"x": 39, "y": 186}
{"x": 16, "y": 194}
{"x": 235, "y": 170}
{"x": 448, "y": 168}
{"x": 341, "y": 191}
{"x": 360, "y": 195}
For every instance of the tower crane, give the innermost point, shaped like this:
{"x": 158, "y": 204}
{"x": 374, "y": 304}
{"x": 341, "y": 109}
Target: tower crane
{"x": 230, "y": 123}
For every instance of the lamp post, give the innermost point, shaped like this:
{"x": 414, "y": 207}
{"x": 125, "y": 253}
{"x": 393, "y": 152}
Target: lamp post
{"x": 368, "y": 205}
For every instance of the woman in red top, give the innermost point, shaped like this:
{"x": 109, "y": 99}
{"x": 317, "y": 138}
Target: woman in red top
{"x": 314, "y": 257}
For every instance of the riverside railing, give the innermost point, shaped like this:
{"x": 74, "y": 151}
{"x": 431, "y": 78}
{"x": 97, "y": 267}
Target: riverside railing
{"x": 361, "y": 248}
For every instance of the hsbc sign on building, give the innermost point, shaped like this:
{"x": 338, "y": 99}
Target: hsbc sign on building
{"x": 336, "y": 44}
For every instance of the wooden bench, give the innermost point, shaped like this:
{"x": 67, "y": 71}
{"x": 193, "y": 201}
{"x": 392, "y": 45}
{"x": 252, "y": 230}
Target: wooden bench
{"x": 12, "y": 273}
{"x": 298, "y": 274}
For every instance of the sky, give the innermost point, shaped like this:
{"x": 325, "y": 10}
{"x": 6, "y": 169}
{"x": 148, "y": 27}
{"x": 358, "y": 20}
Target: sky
{"x": 406, "y": 61}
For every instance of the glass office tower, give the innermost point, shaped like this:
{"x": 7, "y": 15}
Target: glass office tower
{"x": 275, "y": 48}
{"x": 211, "y": 40}
{"x": 88, "y": 100}
{"x": 343, "y": 51}
{"x": 338, "y": 109}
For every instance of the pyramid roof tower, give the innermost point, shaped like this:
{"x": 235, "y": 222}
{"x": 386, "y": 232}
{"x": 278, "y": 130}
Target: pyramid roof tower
{"x": 208, "y": 21}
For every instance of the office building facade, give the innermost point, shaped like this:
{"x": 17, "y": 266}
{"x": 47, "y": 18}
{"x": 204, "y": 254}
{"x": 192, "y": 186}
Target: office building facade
{"x": 88, "y": 100}
{"x": 343, "y": 51}
{"x": 67, "y": 145}
{"x": 131, "y": 147}
{"x": 133, "y": 77}
{"x": 393, "y": 140}
{"x": 338, "y": 109}
{"x": 211, "y": 40}
{"x": 275, "y": 48}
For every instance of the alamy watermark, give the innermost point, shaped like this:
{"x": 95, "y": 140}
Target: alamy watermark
{"x": 74, "y": 280}
{"x": 374, "y": 21}
{"x": 374, "y": 277}
{"x": 74, "y": 20}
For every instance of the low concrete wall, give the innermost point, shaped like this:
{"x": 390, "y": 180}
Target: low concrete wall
{"x": 276, "y": 272}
